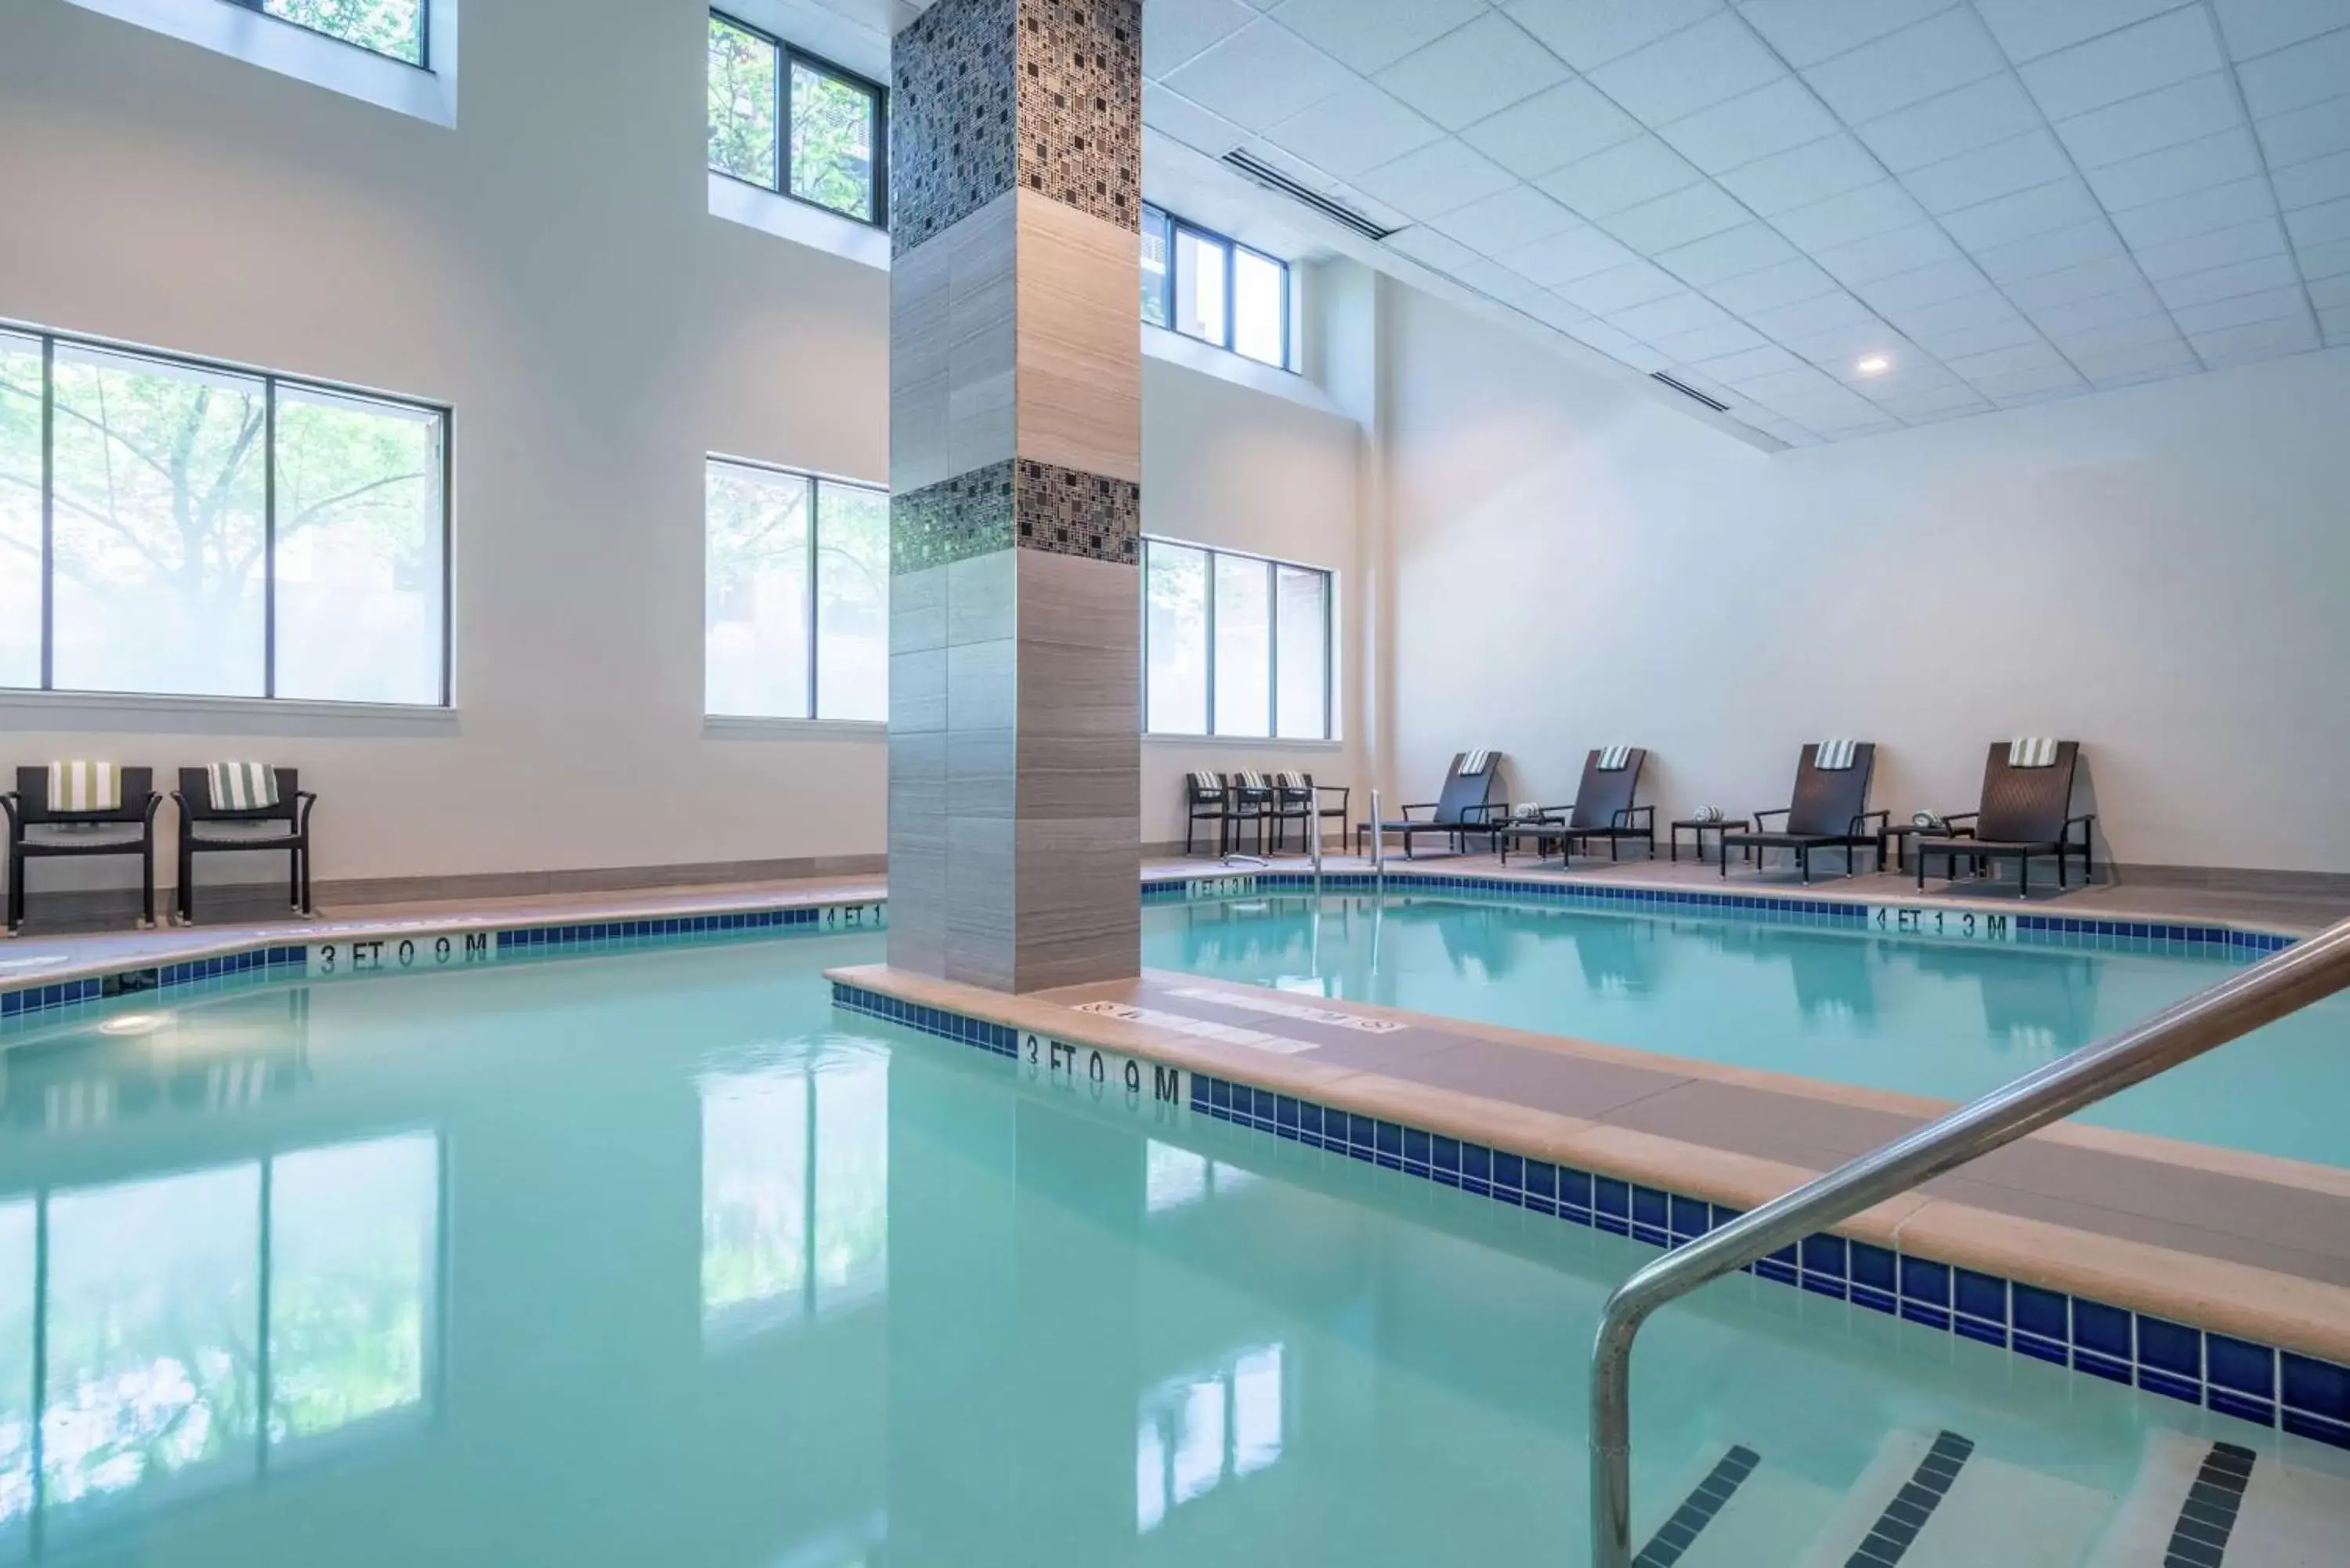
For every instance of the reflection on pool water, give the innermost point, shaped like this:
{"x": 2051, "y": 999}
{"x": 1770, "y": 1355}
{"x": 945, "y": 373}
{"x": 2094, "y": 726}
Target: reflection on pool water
{"x": 1942, "y": 1018}
{"x": 657, "y": 1258}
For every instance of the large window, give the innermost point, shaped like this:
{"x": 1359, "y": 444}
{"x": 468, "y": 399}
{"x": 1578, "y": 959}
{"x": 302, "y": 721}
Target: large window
{"x": 394, "y": 28}
{"x": 792, "y": 123}
{"x": 797, "y": 623}
{"x": 1214, "y": 289}
{"x": 169, "y": 526}
{"x": 1234, "y": 645}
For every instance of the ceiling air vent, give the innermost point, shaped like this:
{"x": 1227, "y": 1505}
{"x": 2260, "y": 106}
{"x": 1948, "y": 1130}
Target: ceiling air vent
{"x": 1275, "y": 180}
{"x": 1716, "y": 404}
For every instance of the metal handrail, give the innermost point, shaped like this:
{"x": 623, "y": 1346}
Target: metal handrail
{"x": 1378, "y": 846}
{"x": 2306, "y": 972}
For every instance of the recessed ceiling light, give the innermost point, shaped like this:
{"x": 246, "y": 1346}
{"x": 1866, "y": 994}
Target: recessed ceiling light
{"x": 1874, "y": 365}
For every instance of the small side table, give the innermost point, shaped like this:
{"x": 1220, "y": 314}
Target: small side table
{"x": 1696, "y": 828}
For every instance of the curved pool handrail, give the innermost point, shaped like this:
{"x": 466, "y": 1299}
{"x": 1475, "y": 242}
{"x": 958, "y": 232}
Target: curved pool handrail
{"x": 2306, "y": 972}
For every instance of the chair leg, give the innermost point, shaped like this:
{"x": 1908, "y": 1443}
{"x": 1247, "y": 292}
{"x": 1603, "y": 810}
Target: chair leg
{"x": 1803, "y": 864}
{"x": 15, "y": 891}
{"x": 2023, "y": 876}
{"x": 184, "y": 896}
{"x": 294, "y": 877}
{"x": 147, "y": 884}
{"x": 307, "y": 907}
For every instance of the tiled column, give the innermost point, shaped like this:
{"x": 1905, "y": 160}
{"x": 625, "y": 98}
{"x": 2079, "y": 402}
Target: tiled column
{"x": 1015, "y": 466}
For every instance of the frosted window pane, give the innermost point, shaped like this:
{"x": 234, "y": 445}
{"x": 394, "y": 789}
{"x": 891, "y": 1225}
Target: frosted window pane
{"x": 1176, "y": 585}
{"x": 757, "y": 629}
{"x": 1244, "y": 646}
{"x": 852, "y": 578}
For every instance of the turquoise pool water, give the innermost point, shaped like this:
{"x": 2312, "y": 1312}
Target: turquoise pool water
{"x": 1942, "y": 1018}
{"x": 655, "y": 1259}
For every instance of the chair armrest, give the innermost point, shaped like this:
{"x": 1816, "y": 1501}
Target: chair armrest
{"x": 1956, "y": 817}
{"x": 1416, "y": 805}
{"x": 1484, "y": 810}
{"x": 303, "y": 802}
{"x": 1343, "y": 791}
{"x": 155, "y": 804}
{"x": 1648, "y": 814}
{"x": 9, "y": 801}
{"x": 1761, "y": 822}
{"x": 2088, "y": 821}
{"x": 1860, "y": 823}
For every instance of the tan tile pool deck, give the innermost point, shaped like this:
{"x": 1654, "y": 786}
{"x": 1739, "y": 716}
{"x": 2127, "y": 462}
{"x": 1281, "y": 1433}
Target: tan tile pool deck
{"x": 2242, "y": 1244}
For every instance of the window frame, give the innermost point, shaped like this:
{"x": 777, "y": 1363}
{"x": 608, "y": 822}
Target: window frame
{"x": 814, "y": 595}
{"x": 1273, "y": 566}
{"x": 1176, "y": 225}
{"x": 49, "y": 342}
{"x": 787, "y": 55}
{"x": 423, "y": 62}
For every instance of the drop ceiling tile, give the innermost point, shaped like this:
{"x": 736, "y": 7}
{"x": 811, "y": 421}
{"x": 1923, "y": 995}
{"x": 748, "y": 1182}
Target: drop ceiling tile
{"x": 2219, "y": 247}
{"x": 1497, "y": 282}
{"x": 1953, "y": 315}
{"x": 2326, "y": 260}
{"x": 1948, "y": 279}
{"x": 2122, "y": 337}
{"x": 1617, "y": 344}
{"x": 1173, "y": 114}
{"x": 1508, "y": 221}
{"x": 2106, "y": 275}
{"x": 2306, "y": 133}
{"x": 2032, "y": 355}
{"x": 1620, "y": 288}
{"x": 2330, "y": 293}
{"x": 1588, "y": 33}
{"x": 2144, "y": 362}
{"x": 1942, "y": 402}
{"x": 1801, "y": 384}
{"x": 1709, "y": 342}
{"x": 2269, "y": 305}
{"x": 2321, "y": 224}
{"x": 2172, "y": 48}
{"x": 2003, "y": 219}
{"x": 2166, "y": 117}
{"x": 2257, "y": 27}
{"x": 1806, "y": 32}
{"x": 1857, "y": 428}
{"x": 1175, "y": 31}
{"x": 2197, "y": 213}
{"x": 1551, "y": 129}
{"x": 1439, "y": 178}
{"x": 1625, "y": 175}
{"x": 1942, "y": 53}
{"x": 2027, "y": 29}
{"x": 2196, "y": 165}
{"x": 2047, "y": 253}
{"x": 2255, "y": 340}
{"x": 1694, "y": 69}
{"x": 1575, "y": 253}
{"x": 1994, "y": 109}
{"x": 2232, "y": 281}
{"x": 1689, "y": 214}
{"x": 2337, "y": 326}
{"x": 2075, "y": 317}
{"x": 1768, "y": 359}
{"x": 1809, "y": 318}
{"x": 1260, "y": 77}
{"x": 1959, "y": 342}
{"x": 1863, "y": 261}
{"x": 1349, "y": 131}
{"x": 2298, "y": 76}
{"x": 1872, "y": 210}
{"x": 2319, "y": 179}
{"x": 1912, "y": 372}
{"x": 1783, "y": 283}
{"x": 2002, "y": 168}
{"x": 1473, "y": 71}
{"x": 1663, "y": 317}
{"x": 1771, "y": 119}
{"x": 1749, "y": 248}
{"x": 1803, "y": 175}
{"x": 1430, "y": 248}
{"x": 1366, "y": 34}
{"x": 1556, "y": 312}
{"x": 1838, "y": 350}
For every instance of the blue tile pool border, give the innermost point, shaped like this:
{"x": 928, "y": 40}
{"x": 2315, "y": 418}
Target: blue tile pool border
{"x": 2270, "y": 1387}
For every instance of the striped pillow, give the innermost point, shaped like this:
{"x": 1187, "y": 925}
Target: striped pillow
{"x": 1832, "y": 756}
{"x": 243, "y": 786}
{"x": 1248, "y": 781}
{"x": 1292, "y": 784}
{"x": 1614, "y": 759}
{"x": 1207, "y": 783}
{"x": 2032, "y": 752}
{"x": 1475, "y": 763}
{"x": 85, "y": 786}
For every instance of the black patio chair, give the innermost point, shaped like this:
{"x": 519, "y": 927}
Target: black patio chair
{"x": 127, "y": 829}
{"x": 1461, "y": 808}
{"x": 2026, "y": 813}
{"x": 1603, "y": 809}
{"x": 208, "y": 828}
{"x": 1205, "y": 799}
{"x": 1829, "y": 811}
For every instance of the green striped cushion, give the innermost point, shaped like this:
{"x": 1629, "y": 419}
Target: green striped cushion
{"x": 243, "y": 786}
{"x": 85, "y": 786}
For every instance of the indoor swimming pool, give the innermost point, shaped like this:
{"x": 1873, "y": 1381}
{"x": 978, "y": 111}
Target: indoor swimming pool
{"x": 1944, "y": 1018}
{"x": 657, "y": 1258}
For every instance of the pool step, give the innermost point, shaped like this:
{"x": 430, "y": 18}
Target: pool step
{"x": 1737, "y": 1511}
{"x": 2205, "y": 1504}
{"x": 1938, "y": 1503}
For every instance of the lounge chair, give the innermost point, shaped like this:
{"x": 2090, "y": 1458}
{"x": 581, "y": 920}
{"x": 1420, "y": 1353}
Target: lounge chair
{"x": 1830, "y": 810}
{"x": 95, "y": 810}
{"x": 1603, "y": 808}
{"x": 1205, "y": 799}
{"x": 2026, "y": 811}
{"x": 1459, "y": 809}
{"x": 244, "y": 807}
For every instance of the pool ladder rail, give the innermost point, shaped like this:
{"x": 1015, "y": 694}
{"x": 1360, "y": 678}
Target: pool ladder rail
{"x": 2307, "y": 972}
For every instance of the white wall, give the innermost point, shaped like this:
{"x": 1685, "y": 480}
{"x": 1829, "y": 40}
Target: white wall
{"x": 2158, "y": 572}
{"x": 549, "y": 268}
